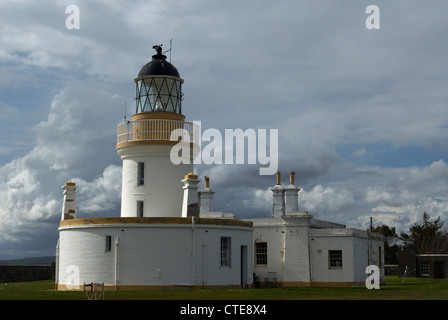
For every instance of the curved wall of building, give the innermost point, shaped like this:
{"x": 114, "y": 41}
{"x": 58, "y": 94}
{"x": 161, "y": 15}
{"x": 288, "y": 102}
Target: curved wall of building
{"x": 146, "y": 253}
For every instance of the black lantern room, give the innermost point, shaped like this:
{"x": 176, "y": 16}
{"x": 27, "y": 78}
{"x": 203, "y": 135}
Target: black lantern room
{"x": 159, "y": 86}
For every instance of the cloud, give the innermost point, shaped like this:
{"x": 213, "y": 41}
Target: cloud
{"x": 76, "y": 141}
{"x": 398, "y": 196}
{"x": 101, "y": 195}
{"x": 310, "y": 70}
{"x": 359, "y": 153}
{"x": 326, "y": 200}
{"x": 405, "y": 215}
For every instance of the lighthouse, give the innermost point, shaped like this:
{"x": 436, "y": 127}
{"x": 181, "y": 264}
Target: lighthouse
{"x": 170, "y": 236}
{"x": 151, "y": 182}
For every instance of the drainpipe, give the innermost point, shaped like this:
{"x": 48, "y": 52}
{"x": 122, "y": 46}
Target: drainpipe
{"x": 204, "y": 260}
{"x": 310, "y": 258}
{"x": 116, "y": 263}
{"x": 193, "y": 233}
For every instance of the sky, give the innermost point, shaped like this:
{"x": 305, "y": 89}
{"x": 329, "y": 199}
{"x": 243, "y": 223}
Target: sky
{"x": 361, "y": 113}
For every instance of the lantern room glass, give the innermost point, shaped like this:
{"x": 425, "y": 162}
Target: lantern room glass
{"x": 159, "y": 94}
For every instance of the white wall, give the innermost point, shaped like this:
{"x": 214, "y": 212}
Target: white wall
{"x": 154, "y": 254}
{"x": 321, "y": 242}
{"x": 162, "y": 191}
{"x": 300, "y": 254}
{"x": 297, "y": 266}
{"x": 287, "y": 247}
{"x": 85, "y": 250}
{"x": 272, "y": 232}
{"x": 359, "y": 249}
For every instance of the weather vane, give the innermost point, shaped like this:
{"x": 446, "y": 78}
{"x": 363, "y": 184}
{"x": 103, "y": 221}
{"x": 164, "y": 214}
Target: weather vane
{"x": 158, "y": 48}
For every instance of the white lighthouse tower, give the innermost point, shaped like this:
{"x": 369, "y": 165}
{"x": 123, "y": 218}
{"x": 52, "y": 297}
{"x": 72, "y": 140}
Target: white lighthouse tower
{"x": 151, "y": 182}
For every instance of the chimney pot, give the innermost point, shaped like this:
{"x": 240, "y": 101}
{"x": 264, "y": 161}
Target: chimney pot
{"x": 291, "y": 178}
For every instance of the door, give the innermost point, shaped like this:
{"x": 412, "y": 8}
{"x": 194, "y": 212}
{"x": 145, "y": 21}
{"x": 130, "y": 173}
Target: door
{"x": 243, "y": 271}
{"x": 439, "y": 269}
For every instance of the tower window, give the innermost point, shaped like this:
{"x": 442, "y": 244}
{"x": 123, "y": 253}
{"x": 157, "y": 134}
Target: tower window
{"x": 140, "y": 209}
{"x": 141, "y": 174}
{"x": 225, "y": 251}
{"x": 108, "y": 243}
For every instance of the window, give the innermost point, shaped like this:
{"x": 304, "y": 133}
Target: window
{"x": 334, "y": 259}
{"x": 261, "y": 253}
{"x": 159, "y": 94}
{"x": 141, "y": 174}
{"x": 140, "y": 209}
{"x": 225, "y": 251}
{"x": 424, "y": 268}
{"x": 108, "y": 243}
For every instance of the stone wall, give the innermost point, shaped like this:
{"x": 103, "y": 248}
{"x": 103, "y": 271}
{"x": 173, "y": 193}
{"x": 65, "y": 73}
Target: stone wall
{"x": 26, "y": 273}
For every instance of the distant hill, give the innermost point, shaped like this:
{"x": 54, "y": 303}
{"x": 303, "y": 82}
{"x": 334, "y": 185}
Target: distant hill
{"x": 37, "y": 261}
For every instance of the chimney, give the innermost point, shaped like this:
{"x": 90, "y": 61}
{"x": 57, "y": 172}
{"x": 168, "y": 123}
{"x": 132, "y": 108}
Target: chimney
{"x": 190, "y": 206}
{"x": 291, "y": 195}
{"x": 206, "y": 197}
{"x": 278, "y": 199}
{"x": 69, "y": 202}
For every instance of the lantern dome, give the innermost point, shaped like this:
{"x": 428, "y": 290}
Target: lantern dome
{"x": 158, "y": 66}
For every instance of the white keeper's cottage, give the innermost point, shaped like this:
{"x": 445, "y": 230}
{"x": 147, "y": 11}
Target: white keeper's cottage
{"x": 168, "y": 234}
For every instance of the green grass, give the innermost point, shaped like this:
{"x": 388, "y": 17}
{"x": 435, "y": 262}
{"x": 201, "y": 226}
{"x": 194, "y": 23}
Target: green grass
{"x": 411, "y": 289}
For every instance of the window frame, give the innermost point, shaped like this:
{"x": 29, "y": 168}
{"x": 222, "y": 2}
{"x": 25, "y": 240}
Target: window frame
{"x": 424, "y": 265}
{"x": 261, "y": 253}
{"x": 226, "y": 251}
{"x": 335, "y": 259}
{"x": 140, "y": 208}
{"x": 108, "y": 243}
{"x": 140, "y": 173}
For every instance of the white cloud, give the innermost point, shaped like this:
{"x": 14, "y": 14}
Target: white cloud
{"x": 76, "y": 140}
{"x": 325, "y": 200}
{"x": 100, "y": 195}
{"x": 406, "y": 215}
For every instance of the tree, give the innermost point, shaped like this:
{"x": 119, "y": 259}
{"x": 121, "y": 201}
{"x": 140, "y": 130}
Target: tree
{"x": 390, "y": 243}
{"x": 427, "y": 237}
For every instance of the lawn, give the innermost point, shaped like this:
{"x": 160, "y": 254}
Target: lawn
{"x": 411, "y": 289}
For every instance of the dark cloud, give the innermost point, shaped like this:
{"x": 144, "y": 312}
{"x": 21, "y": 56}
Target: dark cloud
{"x": 309, "y": 69}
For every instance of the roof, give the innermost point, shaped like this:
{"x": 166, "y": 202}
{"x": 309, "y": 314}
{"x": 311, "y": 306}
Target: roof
{"x": 158, "y": 66}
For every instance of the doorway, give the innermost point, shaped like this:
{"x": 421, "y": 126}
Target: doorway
{"x": 439, "y": 269}
{"x": 243, "y": 259}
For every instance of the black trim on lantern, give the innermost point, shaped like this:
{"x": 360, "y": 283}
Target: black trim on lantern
{"x": 158, "y": 94}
